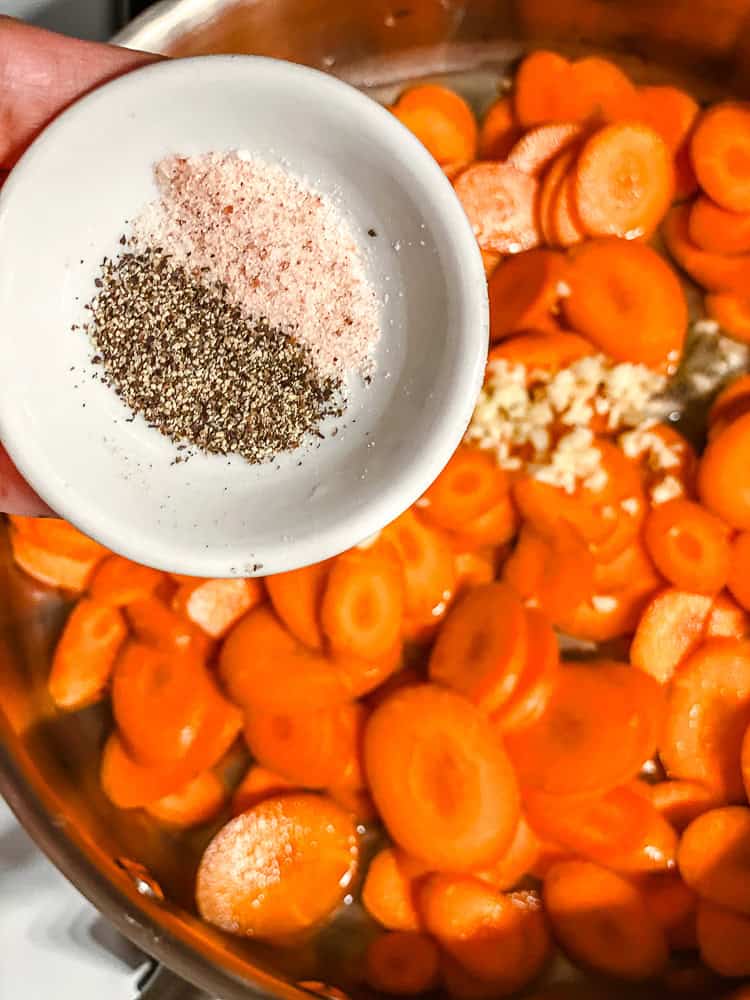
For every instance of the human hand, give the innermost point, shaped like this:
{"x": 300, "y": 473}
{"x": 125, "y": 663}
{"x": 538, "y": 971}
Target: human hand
{"x": 41, "y": 74}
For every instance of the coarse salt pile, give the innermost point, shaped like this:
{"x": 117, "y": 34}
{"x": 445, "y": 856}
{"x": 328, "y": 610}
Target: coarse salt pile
{"x": 283, "y": 251}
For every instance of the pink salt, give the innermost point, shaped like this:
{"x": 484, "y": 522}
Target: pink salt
{"x": 282, "y": 249}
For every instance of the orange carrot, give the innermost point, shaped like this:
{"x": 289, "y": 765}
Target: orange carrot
{"x": 632, "y": 565}
{"x": 724, "y": 474}
{"x": 739, "y": 578}
{"x": 602, "y": 91}
{"x": 672, "y": 626}
{"x": 282, "y": 892}
{"x": 474, "y": 567}
{"x": 716, "y": 230}
{"x": 154, "y": 624}
{"x": 516, "y": 862}
{"x": 689, "y": 546}
{"x": 716, "y": 272}
{"x": 713, "y": 857}
{"x": 548, "y": 352}
{"x": 708, "y": 712}
{"x": 55, "y": 569}
{"x": 402, "y": 963}
{"x": 469, "y": 486}
{"x": 524, "y": 290}
{"x": 599, "y": 725}
{"x": 624, "y": 181}
{"x": 363, "y": 607}
{"x": 215, "y": 605}
{"x": 85, "y": 654}
{"x": 564, "y": 224}
{"x": 604, "y": 921}
{"x": 297, "y": 597}
{"x": 481, "y": 648}
{"x": 543, "y": 89}
{"x": 57, "y": 536}
{"x": 671, "y": 901}
{"x": 258, "y": 784}
{"x": 723, "y": 939}
{"x": 118, "y": 581}
{"x": 680, "y": 802}
{"x": 495, "y": 527}
{"x": 538, "y": 676}
{"x": 720, "y": 150}
{"x": 669, "y": 111}
{"x": 389, "y": 890}
{"x": 499, "y": 202}
{"x": 193, "y": 805}
{"x": 312, "y": 749}
{"x": 442, "y": 784}
{"x": 605, "y": 617}
{"x": 429, "y": 568}
{"x": 732, "y": 402}
{"x": 538, "y": 147}
{"x": 727, "y": 619}
{"x": 628, "y": 301}
{"x": 731, "y": 312}
{"x": 499, "y": 130}
{"x": 442, "y": 120}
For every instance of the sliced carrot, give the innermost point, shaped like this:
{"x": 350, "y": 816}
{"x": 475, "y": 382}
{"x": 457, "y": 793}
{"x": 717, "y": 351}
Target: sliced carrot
{"x": 356, "y": 801}
{"x": 714, "y": 857}
{"x": 474, "y": 567}
{"x": 669, "y": 899}
{"x": 538, "y": 677}
{"x": 311, "y": 749}
{"x": 263, "y": 666}
{"x": 389, "y": 890}
{"x": 469, "y": 486}
{"x": 543, "y": 89}
{"x": 363, "y": 607}
{"x": 193, "y": 805}
{"x": 602, "y": 91}
{"x": 599, "y": 725}
{"x": 85, "y": 654}
{"x": 604, "y": 921}
{"x": 732, "y": 402}
{"x": 727, "y": 618}
{"x": 442, "y": 120}
{"x": 443, "y": 785}
{"x": 555, "y": 175}
{"x": 155, "y": 624}
{"x": 402, "y": 963}
{"x": 305, "y": 853}
{"x": 51, "y": 568}
{"x": 481, "y": 648}
{"x": 716, "y": 272}
{"x": 495, "y": 527}
{"x": 523, "y": 290}
{"x": 547, "y": 352}
{"x": 724, "y": 474}
{"x": 669, "y": 111}
{"x": 708, "y": 712}
{"x": 500, "y": 939}
{"x": 632, "y": 565}
{"x": 359, "y": 676}
{"x": 731, "y": 312}
{"x": 685, "y": 181}
{"x": 564, "y": 222}
{"x": 720, "y": 150}
{"x": 58, "y": 536}
{"x": 258, "y": 783}
{"x": 624, "y": 181}
{"x": 627, "y": 517}
{"x": 628, "y": 301}
{"x": 717, "y": 230}
{"x": 297, "y": 597}
{"x": 671, "y": 628}
{"x": 620, "y": 829}
{"x": 499, "y": 202}
{"x": 215, "y": 605}
{"x": 499, "y": 130}
{"x": 118, "y": 581}
{"x": 159, "y": 700}
{"x": 739, "y": 575}
{"x": 516, "y": 862}
{"x": 537, "y": 148}
{"x": 664, "y": 453}
{"x": 723, "y": 939}
{"x": 680, "y": 802}
{"x": 429, "y": 568}
{"x": 689, "y": 545}
{"x": 610, "y": 616}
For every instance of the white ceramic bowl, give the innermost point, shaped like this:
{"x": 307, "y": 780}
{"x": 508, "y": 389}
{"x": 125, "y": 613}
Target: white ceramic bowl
{"x": 67, "y": 201}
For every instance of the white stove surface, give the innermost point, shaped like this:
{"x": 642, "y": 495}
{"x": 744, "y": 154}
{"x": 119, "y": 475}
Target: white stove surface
{"x": 53, "y": 944}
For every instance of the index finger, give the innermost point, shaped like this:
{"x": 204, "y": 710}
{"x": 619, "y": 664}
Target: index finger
{"x": 41, "y": 73}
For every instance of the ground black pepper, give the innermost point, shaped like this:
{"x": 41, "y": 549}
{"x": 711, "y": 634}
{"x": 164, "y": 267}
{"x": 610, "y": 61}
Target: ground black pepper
{"x": 179, "y": 353}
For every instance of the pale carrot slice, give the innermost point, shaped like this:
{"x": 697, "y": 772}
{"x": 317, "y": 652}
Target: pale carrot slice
{"x": 564, "y": 221}
{"x": 215, "y": 605}
{"x": 716, "y": 272}
{"x": 720, "y": 150}
{"x": 523, "y": 290}
{"x": 402, "y": 963}
{"x": 443, "y": 785}
{"x": 118, "y": 581}
{"x": 499, "y": 130}
{"x": 305, "y": 852}
{"x": 297, "y": 597}
{"x": 500, "y": 204}
{"x": 731, "y": 312}
{"x": 196, "y": 803}
{"x": 389, "y": 890}
{"x": 538, "y": 147}
{"x": 628, "y": 301}
{"x": 724, "y": 939}
{"x": 708, "y": 712}
{"x": 85, "y": 654}
{"x": 481, "y": 648}
{"x": 554, "y": 176}
{"x": 624, "y": 181}
{"x": 672, "y": 626}
{"x": 717, "y": 230}
{"x": 603, "y": 921}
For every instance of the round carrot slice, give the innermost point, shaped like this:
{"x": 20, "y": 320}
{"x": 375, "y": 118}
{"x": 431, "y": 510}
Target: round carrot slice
{"x": 543, "y": 89}
{"x": 389, "y": 890}
{"x": 605, "y": 617}
{"x": 602, "y": 91}
{"x": 669, "y": 111}
{"x": 731, "y": 312}
{"x": 716, "y": 230}
{"x": 555, "y": 175}
{"x": 453, "y": 109}
{"x": 516, "y": 862}
{"x": 547, "y": 352}
{"x": 731, "y": 403}
{"x": 468, "y": 487}
{"x": 538, "y": 147}
{"x": 672, "y": 626}
{"x": 118, "y": 581}
{"x": 442, "y": 783}
{"x": 708, "y": 711}
{"x": 720, "y": 150}
{"x": 599, "y": 725}
{"x": 278, "y": 869}
{"x": 481, "y": 648}
{"x": 296, "y": 597}
{"x": 499, "y": 130}
{"x": 727, "y": 618}
{"x": 739, "y": 578}
{"x": 564, "y": 222}
{"x": 500, "y": 203}
{"x": 192, "y": 805}
{"x": 259, "y": 783}
{"x": 523, "y": 290}
{"x": 495, "y": 527}
{"x": 429, "y": 568}
{"x": 529, "y": 700}
{"x": 724, "y": 940}
{"x": 724, "y": 474}
{"x": 680, "y": 802}
{"x": 215, "y": 605}
{"x": 85, "y": 654}
{"x": 604, "y": 921}
{"x": 402, "y": 963}
{"x": 716, "y": 272}
{"x": 689, "y": 546}
{"x": 714, "y": 856}
{"x": 628, "y": 301}
{"x": 624, "y": 181}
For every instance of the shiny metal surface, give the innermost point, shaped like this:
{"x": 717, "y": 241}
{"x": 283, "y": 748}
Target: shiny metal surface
{"x": 48, "y": 762}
